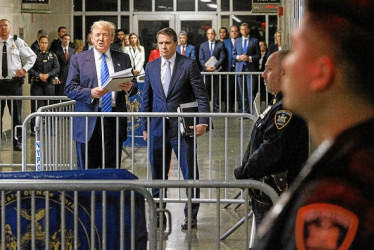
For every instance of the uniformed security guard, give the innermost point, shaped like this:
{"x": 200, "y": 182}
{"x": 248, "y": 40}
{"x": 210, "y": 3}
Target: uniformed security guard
{"x": 42, "y": 75}
{"x": 279, "y": 142}
{"x": 12, "y": 72}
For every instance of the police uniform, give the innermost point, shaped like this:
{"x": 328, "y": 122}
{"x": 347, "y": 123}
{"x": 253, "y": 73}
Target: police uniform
{"x": 11, "y": 85}
{"x": 277, "y": 149}
{"x": 331, "y": 203}
{"x": 46, "y": 63}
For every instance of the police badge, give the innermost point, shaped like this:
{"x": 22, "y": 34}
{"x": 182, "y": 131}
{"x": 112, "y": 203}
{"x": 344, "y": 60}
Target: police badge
{"x": 282, "y": 118}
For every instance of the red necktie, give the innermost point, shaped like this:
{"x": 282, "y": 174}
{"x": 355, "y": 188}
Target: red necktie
{"x": 182, "y": 49}
{"x": 66, "y": 55}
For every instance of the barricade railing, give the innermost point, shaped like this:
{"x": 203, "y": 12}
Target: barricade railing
{"x": 232, "y": 85}
{"x": 13, "y": 190}
{"x": 23, "y": 104}
{"x": 228, "y": 128}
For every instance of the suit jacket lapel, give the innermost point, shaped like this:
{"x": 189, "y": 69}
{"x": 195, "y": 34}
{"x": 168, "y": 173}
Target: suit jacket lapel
{"x": 156, "y": 74}
{"x": 91, "y": 68}
{"x": 177, "y": 70}
{"x": 116, "y": 63}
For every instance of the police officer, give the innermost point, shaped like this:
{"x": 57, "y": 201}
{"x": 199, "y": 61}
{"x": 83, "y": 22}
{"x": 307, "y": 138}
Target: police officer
{"x": 279, "y": 142}
{"x": 43, "y": 75}
{"x": 12, "y": 71}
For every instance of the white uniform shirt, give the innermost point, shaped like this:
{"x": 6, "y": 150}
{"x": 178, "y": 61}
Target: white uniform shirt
{"x": 15, "y": 51}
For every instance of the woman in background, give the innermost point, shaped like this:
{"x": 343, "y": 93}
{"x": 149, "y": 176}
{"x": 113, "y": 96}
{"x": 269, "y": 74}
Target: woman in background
{"x": 277, "y": 45}
{"x": 136, "y": 53}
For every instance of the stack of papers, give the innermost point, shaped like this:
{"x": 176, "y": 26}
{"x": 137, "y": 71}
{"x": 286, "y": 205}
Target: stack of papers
{"x": 116, "y": 78}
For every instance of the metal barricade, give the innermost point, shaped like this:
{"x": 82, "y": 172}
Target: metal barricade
{"x": 228, "y": 88}
{"x": 157, "y": 239}
{"x": 9, "y": 159}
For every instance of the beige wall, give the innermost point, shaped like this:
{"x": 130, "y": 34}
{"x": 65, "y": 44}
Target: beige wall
{"x": 31, "y": 23}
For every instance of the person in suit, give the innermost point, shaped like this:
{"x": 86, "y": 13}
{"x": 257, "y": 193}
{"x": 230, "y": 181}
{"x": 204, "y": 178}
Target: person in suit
{"x": 185, "y": 49}
{"x": 230, "y": 66}
{"x": 83, "y": 85}
{"x": 63, "y": 54}
{"x": 246, "y": 53}
{"x": 136, "y": 53}
{"x": 56, "y": 43}
{"x": 164, "y": 90}
{"x": 89, "y": 44}
{"x": 207, "y": 50}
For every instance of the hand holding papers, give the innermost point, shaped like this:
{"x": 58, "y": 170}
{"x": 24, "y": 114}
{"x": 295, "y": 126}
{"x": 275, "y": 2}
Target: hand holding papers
{"x": 187, "y": 122}
{"x": 116, "y": 78}
{"x": 211, "y": 62}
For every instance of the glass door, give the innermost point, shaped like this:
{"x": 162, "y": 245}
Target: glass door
{"x": 196, "y": 27}
{"x": 147, "y": 26}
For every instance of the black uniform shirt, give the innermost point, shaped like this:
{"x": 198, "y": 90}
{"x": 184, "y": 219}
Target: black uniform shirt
{"x": 279, "y": 142}
{"x": 46, "y": 63}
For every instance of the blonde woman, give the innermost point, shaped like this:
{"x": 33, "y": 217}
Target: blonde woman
{"x": 136, "y": 53}
{"x": 277, "y": 45}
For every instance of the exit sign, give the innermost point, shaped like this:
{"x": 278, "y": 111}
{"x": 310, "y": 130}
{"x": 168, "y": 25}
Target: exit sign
{"x": 265, "y": 6}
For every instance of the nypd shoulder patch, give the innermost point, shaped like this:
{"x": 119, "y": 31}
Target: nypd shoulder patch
{"x": 282, "y": 118}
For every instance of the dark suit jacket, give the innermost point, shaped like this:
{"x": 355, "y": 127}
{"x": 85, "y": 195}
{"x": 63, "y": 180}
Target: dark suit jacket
{"x": 189, "y": 51}
{"x": 64, "y": 64}
{"x": 253, "y": 50}
{"x": 218, "y": 52}
{"x": 81, "y": 79}
{"x": 229, "y": 49}
{"x": 186, "y": 86}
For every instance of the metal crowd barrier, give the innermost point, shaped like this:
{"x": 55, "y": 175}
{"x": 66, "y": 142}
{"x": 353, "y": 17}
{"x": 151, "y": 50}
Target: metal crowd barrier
{"x": 156, "y": 238}
{"x": 228, "y": 81}
{"x": 8, "y": 157}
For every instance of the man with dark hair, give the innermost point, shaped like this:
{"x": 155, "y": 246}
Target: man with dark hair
{"x": 279, "y": 142}
{"x": 329, "y": 82}
{"x": 171, "y": 80}
{"x": 56, "y": 43}
{"x": 63, "y": 53}
{"x": 35, "y": 45}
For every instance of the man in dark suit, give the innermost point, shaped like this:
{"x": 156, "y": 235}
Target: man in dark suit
{"x": 246, "y": 52}
{"x": 230, "y": 66}
{"x": 56, "y": 43}
{"x": 63, "y": 53}
{"x": 185, "y": 49}
{"x": 87, "y": 72}
{"x": 207, "y": 50}
{"x": 172, "y": 80}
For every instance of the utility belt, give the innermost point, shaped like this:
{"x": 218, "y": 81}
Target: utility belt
{"x": 33, "y": 80}
{"x": 13, "y": 80}
{"x": 277, "y": 181}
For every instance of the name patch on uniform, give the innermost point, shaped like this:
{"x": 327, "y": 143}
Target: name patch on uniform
{"x": 325, "y": 226}
{"x": 282, "y": 118}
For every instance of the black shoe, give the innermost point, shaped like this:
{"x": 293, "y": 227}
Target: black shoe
{"x": 163, "y": 221}
{"x": 17, "y": 147}
{"x": 185, "y": 223}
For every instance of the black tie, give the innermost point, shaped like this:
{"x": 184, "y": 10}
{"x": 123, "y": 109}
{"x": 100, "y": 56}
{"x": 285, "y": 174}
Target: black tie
{"x": 4, "y": 62}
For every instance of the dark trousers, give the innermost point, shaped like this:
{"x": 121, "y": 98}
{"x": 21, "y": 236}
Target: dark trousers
{"x": 11, "y": 88}
{"x": 186, "y": 164}
{"x": 212, "y": 84}
{"x": 39, "y": 88}
{"x": 259, "y": 210}
{"x": 230, "y": 103}
{"x": 245, "y": 90}
{"x": 95, "y": 150}
{"x": 60, "y": 89}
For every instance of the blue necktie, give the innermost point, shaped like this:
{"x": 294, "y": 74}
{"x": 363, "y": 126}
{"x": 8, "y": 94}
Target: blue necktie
{"x": 245, "y": 48}
{"x": 211, "y": 49}
{"x": 106, "y": 100}
{"x": 167, "y": 78}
